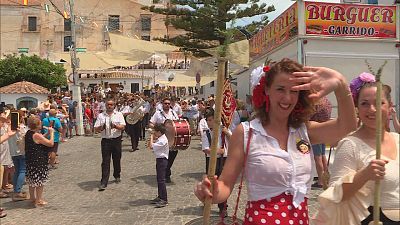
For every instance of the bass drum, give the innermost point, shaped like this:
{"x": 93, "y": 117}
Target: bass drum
{"x": 178, "y": 134}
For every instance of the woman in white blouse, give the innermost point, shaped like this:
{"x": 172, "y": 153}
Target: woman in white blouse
{"x": 349, "y": 198}
{"x": 278, "y": 157}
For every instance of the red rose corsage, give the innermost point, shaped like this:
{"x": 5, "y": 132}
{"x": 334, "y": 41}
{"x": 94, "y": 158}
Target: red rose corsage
{"x": 259, "y": 96}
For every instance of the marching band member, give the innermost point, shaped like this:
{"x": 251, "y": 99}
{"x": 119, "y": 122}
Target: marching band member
{"x": 160, "y": 147}
{"x": 274, "y": 149}
{"x": 176, "y": 107}
{"x": 111, "y": 124}
{"x": 159, "y": 117}
{"x": 135, "y": 130}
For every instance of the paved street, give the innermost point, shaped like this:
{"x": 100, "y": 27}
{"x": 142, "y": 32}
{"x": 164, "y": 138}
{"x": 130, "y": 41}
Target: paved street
{"x": 74, "y": 199}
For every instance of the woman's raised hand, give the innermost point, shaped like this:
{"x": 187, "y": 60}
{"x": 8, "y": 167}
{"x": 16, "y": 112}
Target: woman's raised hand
{"x": 202, "y": 189}
{"x": 320, "y": 81}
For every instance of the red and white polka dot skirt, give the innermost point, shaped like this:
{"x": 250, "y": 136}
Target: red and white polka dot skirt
{"x": 279, "y": 210}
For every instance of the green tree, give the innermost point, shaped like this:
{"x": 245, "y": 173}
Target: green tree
{"x": 15, "y": 68}
{"x": 205, "y": 21}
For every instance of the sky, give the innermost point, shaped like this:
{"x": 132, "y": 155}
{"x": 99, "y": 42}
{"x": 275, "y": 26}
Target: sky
{"x": 280, "y": 6}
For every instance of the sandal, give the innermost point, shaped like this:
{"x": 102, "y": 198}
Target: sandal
{"x": 41, "y": 203}
{"x": 8, "y": 186}
{"x": 3, "y": 195}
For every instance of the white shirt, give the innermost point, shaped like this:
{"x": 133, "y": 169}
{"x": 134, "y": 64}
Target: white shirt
{"x": 235, "y": 121}
{"x": 146, "y": 106}
{"x": 177, "y": 109}
{"x": 203, "y": 126}
{"x": 125, "y": 109}
{"x": 353, "y": 154}
{"x": 160, "y": 116}
{"x": 159, "y": 106}
{"x": 205, "y": 144}
{"x": 116, "y": 118}
{"x": 161, "y": 147}
{"x": 270, "y": 170}
{"x": 102, "y": 106}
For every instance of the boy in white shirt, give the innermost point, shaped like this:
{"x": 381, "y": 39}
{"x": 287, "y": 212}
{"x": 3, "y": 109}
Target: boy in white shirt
{"x": 160, "y": 147}
{"x": 221, "y": 150}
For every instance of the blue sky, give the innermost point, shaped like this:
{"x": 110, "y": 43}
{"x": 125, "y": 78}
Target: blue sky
{"x": 280, "y": 6}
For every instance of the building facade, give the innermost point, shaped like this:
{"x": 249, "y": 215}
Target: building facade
{"x": 40, "y": 28}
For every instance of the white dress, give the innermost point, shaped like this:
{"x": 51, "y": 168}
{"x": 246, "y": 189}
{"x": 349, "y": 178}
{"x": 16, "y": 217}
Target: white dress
{"x": 352, "y": 155}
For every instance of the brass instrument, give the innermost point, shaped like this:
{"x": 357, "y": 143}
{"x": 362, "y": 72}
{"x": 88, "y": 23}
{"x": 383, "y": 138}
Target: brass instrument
{"x": 136, "y": 114}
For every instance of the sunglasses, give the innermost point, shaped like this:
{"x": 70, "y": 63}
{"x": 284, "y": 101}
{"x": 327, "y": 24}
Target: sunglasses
{"x": 167, "y": 103}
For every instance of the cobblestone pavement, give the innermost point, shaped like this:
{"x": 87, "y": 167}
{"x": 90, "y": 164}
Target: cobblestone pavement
{"x": 74, "y": 198}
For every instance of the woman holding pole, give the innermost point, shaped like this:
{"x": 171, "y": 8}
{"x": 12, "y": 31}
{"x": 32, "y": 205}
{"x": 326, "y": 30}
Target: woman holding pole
{"x": 275, "y": 147}
{"x": 349, "y": 198}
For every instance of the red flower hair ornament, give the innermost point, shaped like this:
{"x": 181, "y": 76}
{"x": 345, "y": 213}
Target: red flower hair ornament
{"x": 259, "y": 96}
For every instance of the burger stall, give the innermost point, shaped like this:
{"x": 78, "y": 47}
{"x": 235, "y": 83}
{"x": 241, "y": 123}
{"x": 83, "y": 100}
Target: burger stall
{"x": 344, "y": 37}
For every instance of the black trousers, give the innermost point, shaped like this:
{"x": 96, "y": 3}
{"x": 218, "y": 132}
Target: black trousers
{"x": 171, "y": 158}
{"x": 218, "y": 171}
{"x": 110, "y": 148}
{"x": 161, "y": 166}
{"x": 134, "y": 132}
{"x": 145, "y": 122}
{"x": 383, "y": 218}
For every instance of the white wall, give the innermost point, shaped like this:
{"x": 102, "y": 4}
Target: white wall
{"x": 127, "y": 84}
{"x": 12, "y": 98}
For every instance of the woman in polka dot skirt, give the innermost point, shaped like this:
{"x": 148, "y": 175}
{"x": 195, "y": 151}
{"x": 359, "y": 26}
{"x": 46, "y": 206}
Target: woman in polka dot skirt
{"x": 275, "y": 147}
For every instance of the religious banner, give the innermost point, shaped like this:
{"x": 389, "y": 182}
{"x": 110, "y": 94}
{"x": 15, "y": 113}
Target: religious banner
{"x": 228, "y": 104}
{"x": 350, "y": 20}
{"x": 279, "y": 31}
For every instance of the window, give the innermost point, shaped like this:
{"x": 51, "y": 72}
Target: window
{"x": 212, "y": 84}
{"x": 113, "y": 22}
{"x": 67, "y": 24}
{"x": 146, "y": 22}
{"x": 146, "y": 37}
{"x": 373, "y": 2}
{"x": 67, "y": 43}
{"x": 32, "y": 23}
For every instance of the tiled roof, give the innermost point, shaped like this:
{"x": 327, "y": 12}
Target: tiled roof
{"x": 24, "y": 87}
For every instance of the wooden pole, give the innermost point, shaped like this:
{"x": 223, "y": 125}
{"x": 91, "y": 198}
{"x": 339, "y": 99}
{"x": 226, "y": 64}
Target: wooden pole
{"x": 214, "y": 141}
{"x": 377, "y": 193}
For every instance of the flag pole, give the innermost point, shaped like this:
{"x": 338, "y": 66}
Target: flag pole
{"x": 377, "y": 192}
{"x": 214, "y": 141}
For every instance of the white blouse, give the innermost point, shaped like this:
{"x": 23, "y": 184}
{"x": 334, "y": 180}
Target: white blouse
{"x": 353, "y": 154}
{"x": 270, "y": 170}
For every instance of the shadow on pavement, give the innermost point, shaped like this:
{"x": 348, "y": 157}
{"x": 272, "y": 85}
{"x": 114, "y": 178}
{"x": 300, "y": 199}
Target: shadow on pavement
{"x": 139, "y": 202}
{"x": 17, "y": 205}
{"x": 89, "y": 185}
{"x": 195, "y": 176}
{"x": 150, "y": 180}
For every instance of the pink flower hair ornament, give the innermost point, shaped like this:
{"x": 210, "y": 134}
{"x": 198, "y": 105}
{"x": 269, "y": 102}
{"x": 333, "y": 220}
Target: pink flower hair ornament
{"x": 357, "y": 83}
